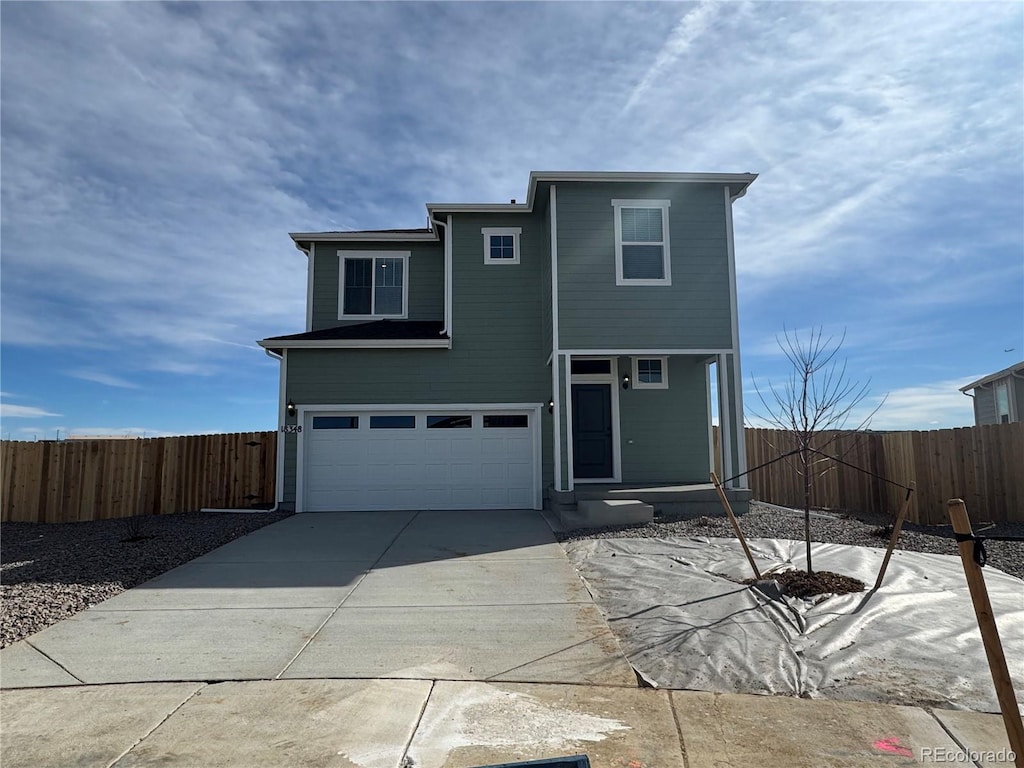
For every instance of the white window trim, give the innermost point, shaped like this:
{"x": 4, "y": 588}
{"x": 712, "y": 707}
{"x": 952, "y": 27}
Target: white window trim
{"x": 637, "y": 384}
{"x": 403, "y": 255}
{"x": 514, "y": 231}
{"x": 618, "y": 205}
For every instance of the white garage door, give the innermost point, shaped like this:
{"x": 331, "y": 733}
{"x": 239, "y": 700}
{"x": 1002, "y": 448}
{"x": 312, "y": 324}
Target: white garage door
{"x": 438, "y": 459}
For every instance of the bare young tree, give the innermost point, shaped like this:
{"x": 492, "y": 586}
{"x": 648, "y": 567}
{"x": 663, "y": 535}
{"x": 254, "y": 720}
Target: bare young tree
{"x": 815, "y": 403}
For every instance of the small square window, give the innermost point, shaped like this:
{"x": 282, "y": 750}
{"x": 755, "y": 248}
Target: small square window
{"x": 501, "y": 245}
{"x": 650, "y": 372}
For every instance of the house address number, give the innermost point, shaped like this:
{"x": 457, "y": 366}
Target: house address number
{"x": 290, "y": 428}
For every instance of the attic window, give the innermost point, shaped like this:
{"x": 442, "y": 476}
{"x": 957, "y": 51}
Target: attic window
{"x": 501, "y": 245}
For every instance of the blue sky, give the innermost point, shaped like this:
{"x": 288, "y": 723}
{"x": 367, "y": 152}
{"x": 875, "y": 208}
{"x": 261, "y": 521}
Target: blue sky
{"x": 154, "y": 156}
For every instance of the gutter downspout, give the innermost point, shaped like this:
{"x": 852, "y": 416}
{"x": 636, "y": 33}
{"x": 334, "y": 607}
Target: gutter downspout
{"x": 447, "y": 226}
{"x": 279, "y": 469}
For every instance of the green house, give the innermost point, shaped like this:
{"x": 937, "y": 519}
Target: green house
{"x": 509, "y": 356}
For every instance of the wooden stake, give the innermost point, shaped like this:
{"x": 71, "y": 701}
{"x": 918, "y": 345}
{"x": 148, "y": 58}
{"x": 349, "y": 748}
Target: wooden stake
{"x": 895, "y": 533}
{"x": 989, "y": 632}
{"x": 735, "y": 524}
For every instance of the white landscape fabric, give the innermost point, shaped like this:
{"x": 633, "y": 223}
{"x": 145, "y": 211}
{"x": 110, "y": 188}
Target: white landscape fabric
{"x": 683, "y": 623}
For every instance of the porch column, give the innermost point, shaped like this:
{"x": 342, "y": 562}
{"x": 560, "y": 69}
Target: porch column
{"x": 730, "y": 417}
{"x": 567, "y": 421}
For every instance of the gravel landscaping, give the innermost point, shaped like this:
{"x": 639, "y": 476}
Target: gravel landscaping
{"x": 49, "y": 572}
{"x": 771, "y": 522}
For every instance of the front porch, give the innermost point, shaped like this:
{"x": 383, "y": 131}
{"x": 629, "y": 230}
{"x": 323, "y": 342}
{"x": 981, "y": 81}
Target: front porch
{"x": 575, "y": 508}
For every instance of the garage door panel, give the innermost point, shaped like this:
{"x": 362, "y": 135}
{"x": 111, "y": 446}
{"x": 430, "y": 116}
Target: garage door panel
{"x": 491, "y": 472}
{"x": 464, "y": 448}
{"x": 440, "y": 467}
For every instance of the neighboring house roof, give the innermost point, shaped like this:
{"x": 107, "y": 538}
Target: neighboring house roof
{"x": 379, "y": 333}
{"x": 1015, "y": 368}
{"x": 737, "y": 183}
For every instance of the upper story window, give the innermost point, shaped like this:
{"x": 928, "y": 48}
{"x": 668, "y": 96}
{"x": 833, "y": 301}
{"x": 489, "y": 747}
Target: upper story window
{"x": 373, "y": 284}
{"x": 501, "y": 245}
{"x": 642, "y": 253}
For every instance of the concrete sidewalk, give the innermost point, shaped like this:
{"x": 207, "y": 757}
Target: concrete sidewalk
{"x": 447, "y": 724}
{"x": 453, "y": 595}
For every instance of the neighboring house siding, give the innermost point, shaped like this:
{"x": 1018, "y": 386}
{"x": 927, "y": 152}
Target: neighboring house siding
{"x": 1017, "y": 393}
{"x": 665, "y": 431}
{"x": 985, "y": 405}
{"x": 426, "y": 280}
{"x": 594, "y": 313}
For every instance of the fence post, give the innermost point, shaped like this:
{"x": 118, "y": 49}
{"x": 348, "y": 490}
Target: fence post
{"x": 989, "y": 632}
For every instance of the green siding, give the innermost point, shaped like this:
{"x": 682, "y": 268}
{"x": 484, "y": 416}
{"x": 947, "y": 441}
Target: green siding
{"x": 497, "y": 355}
{"x": 426, "y": 280}
{"x": 664, "y": 432}
{"x": 595, "y": 313}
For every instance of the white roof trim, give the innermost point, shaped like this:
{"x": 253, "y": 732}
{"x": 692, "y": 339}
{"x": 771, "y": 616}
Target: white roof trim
{"x": 355, "y": 237}
{"x": 1006, "y": 372}
{"x": 354, "y": 343}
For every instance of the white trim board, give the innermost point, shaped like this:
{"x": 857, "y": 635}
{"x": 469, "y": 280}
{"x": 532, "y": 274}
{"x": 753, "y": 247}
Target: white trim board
{"x": 356, "y": 344}
{"x": 641, "y": 352}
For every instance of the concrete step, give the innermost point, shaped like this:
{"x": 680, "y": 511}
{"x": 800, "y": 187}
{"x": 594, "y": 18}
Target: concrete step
{"x": 599, "y": 513}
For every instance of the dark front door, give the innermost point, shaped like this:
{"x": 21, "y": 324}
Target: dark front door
{"x": 592, "y": 430}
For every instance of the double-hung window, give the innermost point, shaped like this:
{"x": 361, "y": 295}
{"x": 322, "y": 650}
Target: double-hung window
{"x": 373, "y": 284}
{"x": 642, "y": 253}
{"x": 501, "y": 245}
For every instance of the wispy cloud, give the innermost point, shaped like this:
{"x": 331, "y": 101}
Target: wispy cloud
{"x": 100, "y": 377}
{"x": 936, "y": 405}
{"x": 10, "y": 411}
{"x": 691, "y": 26}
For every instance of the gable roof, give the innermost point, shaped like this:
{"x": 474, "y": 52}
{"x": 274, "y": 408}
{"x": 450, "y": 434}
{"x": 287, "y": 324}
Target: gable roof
{"x": 1015, "y": 368}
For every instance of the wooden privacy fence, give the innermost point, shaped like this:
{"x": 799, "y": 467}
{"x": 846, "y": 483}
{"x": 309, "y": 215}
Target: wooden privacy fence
{"x": 73, "y": 480}
{"x": 984, "y": 466}
{"x": 56, "y": 482}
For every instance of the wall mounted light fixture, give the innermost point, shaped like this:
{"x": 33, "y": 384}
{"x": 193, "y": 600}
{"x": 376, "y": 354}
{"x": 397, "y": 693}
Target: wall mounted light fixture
{"x": 290, "y": 408}
{"x": 625, "y": 381}
{"x": 551, "y": 406}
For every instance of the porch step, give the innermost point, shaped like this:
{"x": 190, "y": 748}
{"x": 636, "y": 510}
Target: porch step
{"x": 599, "y": 513}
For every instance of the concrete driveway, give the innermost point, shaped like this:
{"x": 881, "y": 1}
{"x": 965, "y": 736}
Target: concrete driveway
{"x": 481, "y": 596}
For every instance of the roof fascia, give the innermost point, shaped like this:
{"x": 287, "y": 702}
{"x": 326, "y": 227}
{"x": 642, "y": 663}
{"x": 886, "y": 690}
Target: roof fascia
{"x": 737, "y": 181}
{"x": 351, "y": 237}
{"x": 355, "y": 343}
{"x": 1005, "y": 373}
